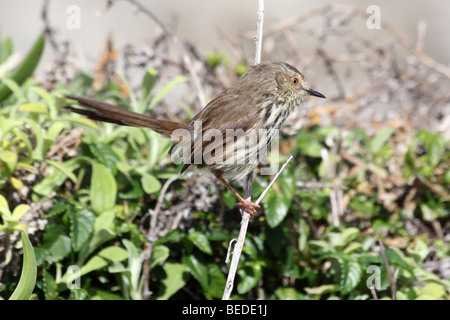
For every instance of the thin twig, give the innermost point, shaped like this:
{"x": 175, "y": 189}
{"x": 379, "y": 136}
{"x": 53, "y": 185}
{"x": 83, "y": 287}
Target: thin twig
{"x": 259, "y": 34}
{"x": 273, "y": 180}
{"x": 319, "y": 185}
{"x": 374, "y": 293}
{"x": 248, "y": 190}
{"x": 151, "y": 234}
{"x": 48, "y": 30}
{"x": 332, "y": 72}
{"x": 241, "y": 238}
{"x": 181, "y": 47}
{"x": 402, "y": 39}
{"x": 392, "y": 276}
{"x": 237, "y": 51}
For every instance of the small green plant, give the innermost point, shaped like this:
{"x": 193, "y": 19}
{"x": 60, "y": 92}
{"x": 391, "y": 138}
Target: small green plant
{"x": 11, "y": 224}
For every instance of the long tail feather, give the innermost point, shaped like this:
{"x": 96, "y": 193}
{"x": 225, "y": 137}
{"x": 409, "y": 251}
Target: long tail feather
{"x": 106, "y": 112}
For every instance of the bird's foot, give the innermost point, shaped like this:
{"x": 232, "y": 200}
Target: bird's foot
{"x": 248, "y": 206}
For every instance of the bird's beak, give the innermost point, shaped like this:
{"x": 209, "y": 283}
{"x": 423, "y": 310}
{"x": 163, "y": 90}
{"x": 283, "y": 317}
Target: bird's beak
{"x": 314, "y": 93}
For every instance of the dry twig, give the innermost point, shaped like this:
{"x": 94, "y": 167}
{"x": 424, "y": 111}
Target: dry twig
{"x": 392, "y": 275}
{"x": 181, "y": 47}
{"x": 245, "y": 215}
{"x": 151, "y": 236}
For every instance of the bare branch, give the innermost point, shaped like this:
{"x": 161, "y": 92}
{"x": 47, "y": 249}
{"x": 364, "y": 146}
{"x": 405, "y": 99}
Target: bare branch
{"x": 392, "y": 276}
{"x": 151, "y": 235}
{"x": 402, "y": 39}
{"x": 273, "y": 180}
{"x": 259, "y": 35}
{"x": 181, "y": 47}
{"x": 374, "y": 293}
{"x": 245, "y": 215}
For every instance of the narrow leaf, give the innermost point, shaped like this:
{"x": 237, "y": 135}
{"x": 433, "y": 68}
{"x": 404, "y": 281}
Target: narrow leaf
{"x": 27, "y": 280}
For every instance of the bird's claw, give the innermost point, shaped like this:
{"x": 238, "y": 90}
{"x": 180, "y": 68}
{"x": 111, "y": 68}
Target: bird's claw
{"x": 248, "y": 206}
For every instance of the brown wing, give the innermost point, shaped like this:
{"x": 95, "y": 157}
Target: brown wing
{"x": 231, "y": 109}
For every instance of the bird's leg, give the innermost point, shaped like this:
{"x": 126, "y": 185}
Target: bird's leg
{"x": 245, "y": 203}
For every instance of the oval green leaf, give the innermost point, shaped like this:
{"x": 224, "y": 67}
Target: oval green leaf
{"x": 103, "y": 189}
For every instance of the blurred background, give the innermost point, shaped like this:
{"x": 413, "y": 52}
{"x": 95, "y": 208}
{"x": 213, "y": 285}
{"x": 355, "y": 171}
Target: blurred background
{"x": 331, "y": 45}
{"x": 371, "y": 162}
{"x": 197, "y": 21}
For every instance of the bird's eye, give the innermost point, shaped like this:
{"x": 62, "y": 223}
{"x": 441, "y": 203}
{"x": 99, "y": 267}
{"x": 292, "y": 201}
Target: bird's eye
{"x": 295, "y": 81}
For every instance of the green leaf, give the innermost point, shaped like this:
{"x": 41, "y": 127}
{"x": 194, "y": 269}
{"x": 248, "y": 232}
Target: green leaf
{"x": 150, "y": 184}
{"x": 27, "y": 280}
{"x": 56, "y": 244}
{"x": 432, "y": 290}
{"x": 79, "y": 120}
{"x": 101, "y": 236}
{"x": 50, "y": 286}
{"x": 6, "y": 49}
{"x": 364, "y": 205}
{"x": 277, "y": 241}
{"x": 20, "y": 210}
{"x": 284, "y": 293}
{"x": 313, "y": 150}
{"x": 26, "y": 67}
{"x": 55, "y": 179}
{"x": 12, "y": 87}
{"x": 103, "y": 189}
{"x": 4, "y": 208}
{"x": 396, "y": 259}
{"x": 64, "y": 169}
{"x": 81, "y": 227}
{"x": 320, "y": 290}
{"x": 135, "y": 192}
{"x": 197, "y": 269}
{"x": 32, "y": 107}
{"x": 249, "y": 275}
{"x": 308, "y": 144}
{"x": 9, "y": 159}
{"x": 148, "y": 82}
{"x": 214, "y": 59}
{"x": 135, "y": 260}
{"x": 380, "y": 139}
{"x": 38, "y": 150}
{"x": 277, "y": 202}
{"x": 303, "y": 231}
{"x": 105, "y": 295}
{"x": 104, "y": 257}
{"x": 200, "y": 241}
{"x": 216, "y": 282}
{"x": 209, "y": 276}
{"x": 353, "y": 246}
{"x": 113, "y": 253}
{"x": 94, "y": 263}
{"x": 428, "y": 213}
{"x": 434, "y": 144}
{"x": 351, "y": 273}
{"x": 16, "y": 183}
{"x": 344, "y": 237}
{"x": 106, "y": 155}
{"x": 27, "y": 167}
{"x": 104, "y": 221}
{"x": 174, "y": 281}
{"x": 49, "y": 100}
{"x": 165, "y": 90}
{"x": 159, "y": 254}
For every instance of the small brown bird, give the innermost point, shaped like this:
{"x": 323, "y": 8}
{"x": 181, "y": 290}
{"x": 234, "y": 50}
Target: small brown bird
{"x": 259, "y": 102}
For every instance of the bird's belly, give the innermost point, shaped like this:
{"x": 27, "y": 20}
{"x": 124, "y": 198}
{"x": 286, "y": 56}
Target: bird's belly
{"x": 236, "y": 159}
